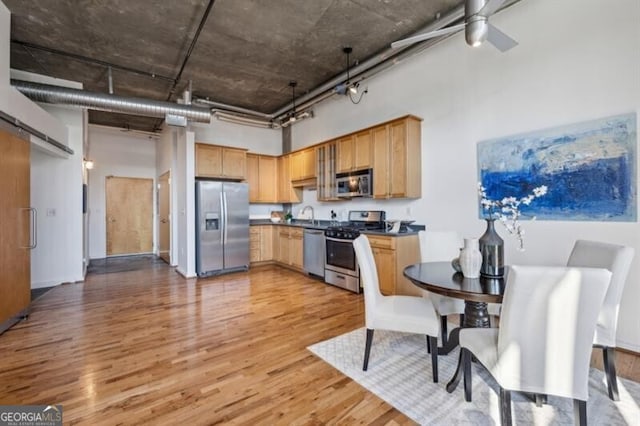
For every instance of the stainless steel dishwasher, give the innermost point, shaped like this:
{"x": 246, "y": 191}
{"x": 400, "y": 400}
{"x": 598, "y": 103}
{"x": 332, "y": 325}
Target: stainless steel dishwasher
{"x": 314, "y": 252}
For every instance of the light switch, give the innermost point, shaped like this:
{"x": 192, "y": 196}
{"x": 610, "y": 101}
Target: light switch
{"x": 51, "y": 212}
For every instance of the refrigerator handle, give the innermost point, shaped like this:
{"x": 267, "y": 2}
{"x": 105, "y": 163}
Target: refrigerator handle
{"x": 223, "y": 218}
{"x": 226, "y": 215}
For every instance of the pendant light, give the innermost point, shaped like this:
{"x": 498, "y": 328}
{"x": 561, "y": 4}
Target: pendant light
{"x": 293, "y": 116}
{"x": 353, "y": 89}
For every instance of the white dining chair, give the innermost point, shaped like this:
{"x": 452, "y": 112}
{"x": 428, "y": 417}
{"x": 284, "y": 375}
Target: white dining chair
{"x": 442, "y": 246}
{"x": 543, "y": 345}
{"x": 617, "y": 259}
{"x": 408, "y": 314}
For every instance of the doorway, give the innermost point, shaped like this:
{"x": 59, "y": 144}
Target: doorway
{"x": 164, "y": 217}
{"x": 129, "y": 207}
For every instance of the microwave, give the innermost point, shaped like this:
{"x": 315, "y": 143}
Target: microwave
{"x": 354, "y": 184}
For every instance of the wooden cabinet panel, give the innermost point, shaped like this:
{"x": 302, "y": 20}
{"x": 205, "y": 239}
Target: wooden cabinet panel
{"x": 392, "y": 255}
{"x": 381, "y": 162}
{"x": 262, "y": 178}
{"x": 303, "y": 164}
{"x": 310, "y": 163}
{"x": 286, "y": 192}
{"x": 362, "y": 150}
{"x": 290, "y": 246}
{"x": 354, "y": 152}
{"x": 215, "y": 161}
{"x": 386, "y": 266}
{"x": 208, "y": 160}
{"x": 344, "y": 154}
{"x": 260, "y": 243}
{"x": 397, "y": 159}
{"x": 253, "y": 177}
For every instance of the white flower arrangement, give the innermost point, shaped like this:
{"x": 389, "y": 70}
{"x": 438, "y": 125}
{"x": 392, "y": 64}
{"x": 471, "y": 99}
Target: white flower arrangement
{"x": 508, "y": 212}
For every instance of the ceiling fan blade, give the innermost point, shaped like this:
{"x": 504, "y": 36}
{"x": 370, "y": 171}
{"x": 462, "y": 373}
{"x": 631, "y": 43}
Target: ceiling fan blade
{"x": 500, "y": 40}
{"x": 491, "y": 7}
{"x": 426, "y": 36}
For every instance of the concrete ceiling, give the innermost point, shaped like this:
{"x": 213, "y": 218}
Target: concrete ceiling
{"x": 245, "y": 54}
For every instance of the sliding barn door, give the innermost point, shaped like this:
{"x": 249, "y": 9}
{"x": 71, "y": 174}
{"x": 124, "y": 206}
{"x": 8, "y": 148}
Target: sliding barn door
{"x": 16, "y": 223}
{"x": 129, "y": 215}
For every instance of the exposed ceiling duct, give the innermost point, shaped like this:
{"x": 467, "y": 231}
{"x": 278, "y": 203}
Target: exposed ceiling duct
{"x": 104, "y": 102}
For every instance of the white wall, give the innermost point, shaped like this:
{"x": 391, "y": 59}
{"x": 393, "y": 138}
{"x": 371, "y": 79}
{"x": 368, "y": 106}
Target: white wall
{"x": 577, "y": 60}
{"x": 56, "y": 193}
{"x": 166, "y": 161}
{"x": 185, "y": 198}
{"x": 255, "y": 139}
{"x": 115, "y": 153}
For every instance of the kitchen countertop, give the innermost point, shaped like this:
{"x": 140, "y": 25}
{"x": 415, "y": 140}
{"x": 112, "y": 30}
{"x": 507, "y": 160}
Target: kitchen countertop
{"x": 324, "y": 224}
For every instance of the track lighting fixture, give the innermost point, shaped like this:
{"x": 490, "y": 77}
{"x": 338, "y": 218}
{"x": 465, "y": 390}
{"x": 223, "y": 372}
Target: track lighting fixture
{"x": 348, "y": 88}
{"x": 293, "y": 116}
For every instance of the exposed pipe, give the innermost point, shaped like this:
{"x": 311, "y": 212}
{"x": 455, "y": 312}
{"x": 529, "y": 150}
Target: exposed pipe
{"x": 110, "y": 103}
{"x": 451, "y": 17}
{"x": 227, "y": 107}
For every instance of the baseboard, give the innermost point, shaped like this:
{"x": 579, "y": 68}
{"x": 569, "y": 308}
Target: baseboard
{"x": 184, "y": 274}
{"x": 628, "y": 347}
{"x": 43, "y": 284}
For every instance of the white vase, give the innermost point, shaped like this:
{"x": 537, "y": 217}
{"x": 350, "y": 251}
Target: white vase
{"x": 470, "y": 258}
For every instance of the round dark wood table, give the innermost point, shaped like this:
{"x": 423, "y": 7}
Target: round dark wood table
{"x": 477, "y": 293}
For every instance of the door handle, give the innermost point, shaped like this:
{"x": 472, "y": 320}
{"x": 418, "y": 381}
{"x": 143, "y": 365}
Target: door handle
{"x": 111, "y": 220}
{"x": 163, "y": 221}
{"x": 33, "y": 228}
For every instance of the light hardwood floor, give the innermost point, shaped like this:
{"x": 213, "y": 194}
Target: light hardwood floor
{"x": 147, "y": 346}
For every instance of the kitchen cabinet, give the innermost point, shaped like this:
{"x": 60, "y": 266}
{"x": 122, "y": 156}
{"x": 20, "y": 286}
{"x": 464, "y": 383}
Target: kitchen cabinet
{"x": 397, "y": 159}
{"x": 262, "y": 178}
{"x": 260, "y": 243}
{"x": 354, "y": 152}
{"x": 289, "y": 247}
{"x": 392, "y": 255}
{"x": 303, "y": 164}
{"x": 213, "y": 161}
{"x": 17, "y": 218}
{"x": 326, "y": 155}
{"x": 286, "y": 192}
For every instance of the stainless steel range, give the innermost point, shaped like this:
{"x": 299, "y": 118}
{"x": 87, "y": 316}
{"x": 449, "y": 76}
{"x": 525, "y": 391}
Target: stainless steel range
{"x": 341, "y": 268}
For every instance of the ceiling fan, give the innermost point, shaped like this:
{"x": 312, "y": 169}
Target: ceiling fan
{"x": 476, "y": 27}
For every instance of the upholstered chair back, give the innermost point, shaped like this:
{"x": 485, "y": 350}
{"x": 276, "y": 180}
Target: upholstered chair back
{"x": 546, "y": 329}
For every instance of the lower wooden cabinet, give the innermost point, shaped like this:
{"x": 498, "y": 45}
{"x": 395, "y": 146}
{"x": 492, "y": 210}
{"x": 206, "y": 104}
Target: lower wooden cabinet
{"x": 392, "y": 255}
{"x": 260, "y": 243}
{"x": 288, "y": 246}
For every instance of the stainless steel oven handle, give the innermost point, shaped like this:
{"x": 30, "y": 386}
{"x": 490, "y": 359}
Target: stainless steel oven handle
{"x": 339, "y": 240}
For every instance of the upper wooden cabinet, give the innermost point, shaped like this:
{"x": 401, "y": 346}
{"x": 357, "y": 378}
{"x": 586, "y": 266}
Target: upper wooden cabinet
{"x": 397, "y": 159}
{"x": 262, "y": 176}
{"x": 303, "y": 164}
{"x": 354, "y": 152}
{"x": 223, "y": 162}
{"x": 286, "y": 192}
{"x": 326, "y": 155}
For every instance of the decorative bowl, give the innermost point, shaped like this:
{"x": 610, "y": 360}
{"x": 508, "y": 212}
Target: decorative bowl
{"x": 275, "y": 219}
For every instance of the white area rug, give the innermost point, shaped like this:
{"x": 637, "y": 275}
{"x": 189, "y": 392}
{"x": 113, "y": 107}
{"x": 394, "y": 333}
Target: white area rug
{"x": 400, "y": 373}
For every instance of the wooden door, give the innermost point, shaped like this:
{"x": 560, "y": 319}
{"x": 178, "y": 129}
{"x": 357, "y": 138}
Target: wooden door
{"x": 283, "y": 246}
{"x": 296, "y": 165}
{"x": 164, "y": 217}
{"x": 266, "y": 242}
{"x": 15, "y": 220}
{"x": 295, "y": 249}
{"x": 310, "y": 163}
{"x": 129, "y": 215}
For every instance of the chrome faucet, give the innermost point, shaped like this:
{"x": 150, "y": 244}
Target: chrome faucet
{"x": 304, "y": 209}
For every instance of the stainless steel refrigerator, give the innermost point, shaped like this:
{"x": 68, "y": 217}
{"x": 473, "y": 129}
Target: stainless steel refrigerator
{"x": 222, "y": 227}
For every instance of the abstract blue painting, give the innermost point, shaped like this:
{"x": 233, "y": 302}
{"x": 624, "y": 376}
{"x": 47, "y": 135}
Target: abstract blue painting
{"x": 589, "y": 169}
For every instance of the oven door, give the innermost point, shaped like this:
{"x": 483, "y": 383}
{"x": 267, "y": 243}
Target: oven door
{"x": 341, "y": 257}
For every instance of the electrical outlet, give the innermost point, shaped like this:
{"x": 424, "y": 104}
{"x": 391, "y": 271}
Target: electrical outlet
{"x": 408, "y": 211}
{"x": 51, "y": 212}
